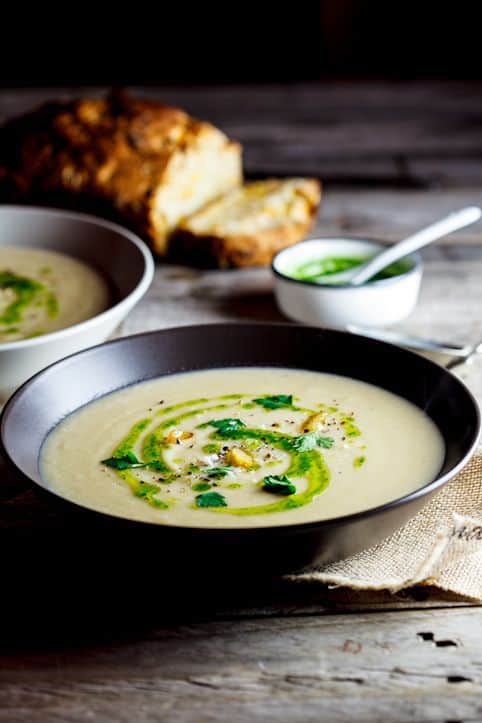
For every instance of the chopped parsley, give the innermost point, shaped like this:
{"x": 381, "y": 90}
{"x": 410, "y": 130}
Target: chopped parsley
{"x": 130, "y": 461}
{"x": 217, "y": 472}
{"x": 279, "y": 485}
{"x": 307, "y": 442}
{"x": 210, "y": 499}
{"x": 278, "y": 401}
{"x": 225, "y": 426}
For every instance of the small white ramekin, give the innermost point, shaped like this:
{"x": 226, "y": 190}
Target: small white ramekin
{"x": 376, "y": 303}
{"x": 117, "y": 253}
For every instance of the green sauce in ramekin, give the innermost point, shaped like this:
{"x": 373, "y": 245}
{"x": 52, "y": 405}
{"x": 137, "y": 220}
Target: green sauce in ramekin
{"x": 318, "y": 270}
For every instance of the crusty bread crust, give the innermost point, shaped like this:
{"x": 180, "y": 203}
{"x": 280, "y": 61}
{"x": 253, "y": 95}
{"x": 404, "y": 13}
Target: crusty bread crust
{"x": 235, "y": 251}
{"x": 245, "y": 250}
{"x": 116, "y": 151}
{"x": 156, "y": 169}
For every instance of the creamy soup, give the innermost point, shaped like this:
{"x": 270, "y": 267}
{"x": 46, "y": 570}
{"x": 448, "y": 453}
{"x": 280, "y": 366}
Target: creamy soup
{"x": 241, "y": 448}
{"x": 43, "y": 291}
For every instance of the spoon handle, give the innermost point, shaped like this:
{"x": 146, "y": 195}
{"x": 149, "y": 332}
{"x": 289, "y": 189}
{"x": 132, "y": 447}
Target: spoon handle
{"x": 398, "y": 251}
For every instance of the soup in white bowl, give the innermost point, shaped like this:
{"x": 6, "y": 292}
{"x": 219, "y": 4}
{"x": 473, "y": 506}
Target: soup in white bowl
{"x": 43, "y": 291}
{"x": 67, "y": 281}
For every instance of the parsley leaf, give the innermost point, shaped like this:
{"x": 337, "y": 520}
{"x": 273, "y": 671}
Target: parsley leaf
{"x": 211, "y": 499}
{"x": 130, "y": 461}
{"x": 307, "y": 442}
{"x": 125, "y": 462}
{"x": 225, "y": 426}
{"x": 275, "y": 402}
{"x": 217, "y": 472}
{"x": 279, "y": 485}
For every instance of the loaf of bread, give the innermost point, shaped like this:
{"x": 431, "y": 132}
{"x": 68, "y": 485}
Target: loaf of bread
{"x": 138, "y": 161}
{"x": 173, "y": 179}
{"x": 249, "y": 224}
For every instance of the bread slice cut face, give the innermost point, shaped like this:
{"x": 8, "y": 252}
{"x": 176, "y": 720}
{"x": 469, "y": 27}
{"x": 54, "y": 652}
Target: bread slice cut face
{"x": 249, "y": 224}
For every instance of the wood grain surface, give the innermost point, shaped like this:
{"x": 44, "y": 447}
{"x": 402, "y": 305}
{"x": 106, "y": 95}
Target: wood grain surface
{"x": 406, "y": 134}
{"x": 408, "y": 666}
{"x": 129, "y": 644}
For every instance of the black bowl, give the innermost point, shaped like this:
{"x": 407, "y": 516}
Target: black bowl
{"x": 67, "y": 385}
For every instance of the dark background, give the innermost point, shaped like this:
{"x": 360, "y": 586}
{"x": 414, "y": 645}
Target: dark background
{"x": 234, "y": 42}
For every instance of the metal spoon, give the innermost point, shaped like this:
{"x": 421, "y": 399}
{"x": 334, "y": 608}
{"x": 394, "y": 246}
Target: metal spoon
{"x": 360, "y": 274}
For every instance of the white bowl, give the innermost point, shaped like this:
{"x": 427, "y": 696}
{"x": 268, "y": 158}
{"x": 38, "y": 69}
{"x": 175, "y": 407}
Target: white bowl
{"x": 376, "y": 303}
{"x": 119, "y": 254}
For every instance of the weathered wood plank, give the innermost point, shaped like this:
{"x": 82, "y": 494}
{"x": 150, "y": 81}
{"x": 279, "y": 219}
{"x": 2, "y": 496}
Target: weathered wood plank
{"x": 377, "y": 667}
{"x": 406, "y": 134}
{"x": 391, "y": 214}
{"x": 307, "y": 102}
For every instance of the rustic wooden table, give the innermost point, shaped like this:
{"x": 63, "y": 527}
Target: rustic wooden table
{"x": 124, "y": 646}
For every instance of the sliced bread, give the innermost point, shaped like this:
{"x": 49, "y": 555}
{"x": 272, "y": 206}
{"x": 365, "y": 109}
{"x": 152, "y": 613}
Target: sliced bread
{"x": 249, "y": 224}
{"x": 139, "y": 161}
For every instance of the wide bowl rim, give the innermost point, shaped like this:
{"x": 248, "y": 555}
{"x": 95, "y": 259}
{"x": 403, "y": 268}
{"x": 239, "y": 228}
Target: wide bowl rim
{"x": 417, "y": 267}
{"x": 125, "y": 302}
{"x": 288, "y": 528}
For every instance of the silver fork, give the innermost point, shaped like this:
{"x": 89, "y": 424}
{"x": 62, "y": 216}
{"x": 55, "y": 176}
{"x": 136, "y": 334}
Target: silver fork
{"x": 460, "y": 353}
{"x": 467, "y": 358}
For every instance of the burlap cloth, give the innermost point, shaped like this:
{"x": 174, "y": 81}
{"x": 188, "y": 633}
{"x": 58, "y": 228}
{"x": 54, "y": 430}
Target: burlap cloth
{"x": 440, "y": 547}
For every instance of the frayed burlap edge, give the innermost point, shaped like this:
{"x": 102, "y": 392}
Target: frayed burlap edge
{"x": 441, "y": 547}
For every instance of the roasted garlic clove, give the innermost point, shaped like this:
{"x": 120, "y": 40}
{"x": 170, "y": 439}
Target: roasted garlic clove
{"x": 239, "y": 458}
{"x": 314, "y": 423}
{"x": 176, "y": 436}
